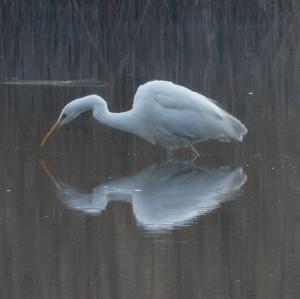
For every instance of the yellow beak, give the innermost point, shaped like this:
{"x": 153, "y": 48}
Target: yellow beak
{"x": 51, "y": 131}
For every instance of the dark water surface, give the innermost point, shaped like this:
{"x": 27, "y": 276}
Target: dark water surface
{"x": 102, "y": 214}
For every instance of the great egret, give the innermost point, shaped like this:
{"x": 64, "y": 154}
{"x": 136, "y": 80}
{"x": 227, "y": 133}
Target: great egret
{"x": 162, "y": 112}
{"x": 163, "y": 196}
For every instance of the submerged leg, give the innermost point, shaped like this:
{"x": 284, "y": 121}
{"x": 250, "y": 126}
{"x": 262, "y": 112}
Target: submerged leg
{"x": 196, "y": 153}
{"x": 194, "y": 159}
{"x": 169, "y": 154}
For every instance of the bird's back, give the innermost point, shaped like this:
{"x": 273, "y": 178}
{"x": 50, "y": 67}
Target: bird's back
{"x": 177, "y": 116}
{"x": 172, "y": 96}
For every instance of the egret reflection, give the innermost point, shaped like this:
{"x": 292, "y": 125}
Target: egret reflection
{"x": 163, "y": 196}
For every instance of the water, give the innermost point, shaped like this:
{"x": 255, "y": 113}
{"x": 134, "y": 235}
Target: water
{"x": 100, "y": 213}
{"x": 115, "y": 220}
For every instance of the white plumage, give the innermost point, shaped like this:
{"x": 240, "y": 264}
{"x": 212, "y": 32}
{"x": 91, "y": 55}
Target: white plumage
{"x": 164, "y": 113}
{"x": 176, "y": 115}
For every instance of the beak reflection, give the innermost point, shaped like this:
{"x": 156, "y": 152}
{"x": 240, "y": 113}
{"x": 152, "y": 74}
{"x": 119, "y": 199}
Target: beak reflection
{"x": 50, "y": 174}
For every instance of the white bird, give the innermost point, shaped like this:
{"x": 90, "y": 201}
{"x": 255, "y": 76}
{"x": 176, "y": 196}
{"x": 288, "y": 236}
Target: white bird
{"x": 163, "y": 113}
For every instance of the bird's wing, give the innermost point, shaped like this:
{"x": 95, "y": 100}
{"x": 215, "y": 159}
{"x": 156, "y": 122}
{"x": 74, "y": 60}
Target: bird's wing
{"x": 167, "y": 95}
{"x": 186, "y": 125}
{"x": 174, "y": 109}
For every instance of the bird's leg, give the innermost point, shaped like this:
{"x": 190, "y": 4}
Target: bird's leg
{"x": 169, "y": 154}
{"x": 196, "y": 153}
{"x": 194, "y": 159}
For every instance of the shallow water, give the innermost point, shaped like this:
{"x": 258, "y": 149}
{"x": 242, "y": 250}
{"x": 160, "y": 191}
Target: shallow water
{"x": 99, "y": 213}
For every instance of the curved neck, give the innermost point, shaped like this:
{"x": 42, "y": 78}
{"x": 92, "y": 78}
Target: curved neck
{"x": 125, "y": 121}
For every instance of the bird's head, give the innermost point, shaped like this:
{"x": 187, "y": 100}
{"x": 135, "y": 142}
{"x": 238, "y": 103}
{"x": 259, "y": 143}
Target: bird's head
{"x": 71, "y": 111}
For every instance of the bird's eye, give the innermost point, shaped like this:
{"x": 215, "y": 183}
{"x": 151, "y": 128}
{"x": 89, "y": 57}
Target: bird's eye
{"x": 63, "y": 116}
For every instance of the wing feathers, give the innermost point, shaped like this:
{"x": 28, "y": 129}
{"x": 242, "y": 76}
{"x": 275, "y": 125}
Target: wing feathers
{"x": 175, "y": 110}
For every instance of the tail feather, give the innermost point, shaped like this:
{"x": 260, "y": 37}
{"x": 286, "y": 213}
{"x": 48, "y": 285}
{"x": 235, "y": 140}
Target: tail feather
{"x": 236, "y": 129}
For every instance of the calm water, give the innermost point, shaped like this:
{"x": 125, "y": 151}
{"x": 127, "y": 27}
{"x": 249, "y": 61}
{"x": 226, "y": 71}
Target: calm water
{"x": 102, "y": 214}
